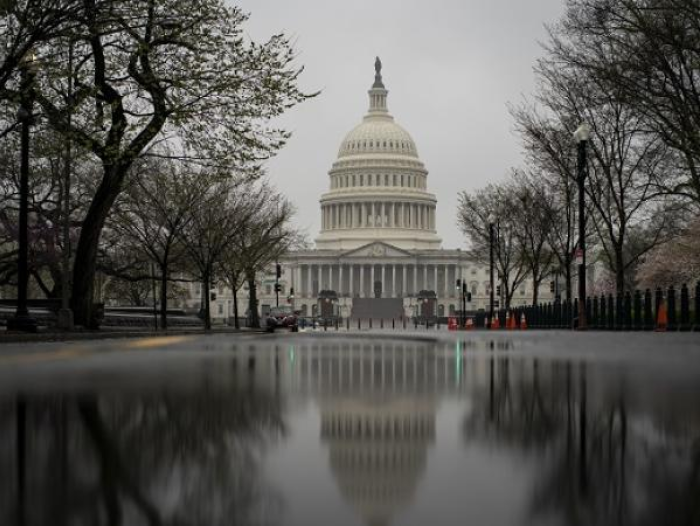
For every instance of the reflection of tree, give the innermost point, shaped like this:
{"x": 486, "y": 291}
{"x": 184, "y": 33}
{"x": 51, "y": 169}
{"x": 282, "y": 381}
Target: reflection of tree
{"x": 597, "y": 464}
{"x": 168, "y": 459}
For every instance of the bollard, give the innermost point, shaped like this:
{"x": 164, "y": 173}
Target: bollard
{"x": 672, "y": 322}
{"x": 381, "y": 323}
{"x": 348, "y": 323}
{"x": 393, "y": 325}
{"x": 696, "y": 327}
{"x": 637, "y": 325}
{"x": 595, "y": 322}
{"x": 359, "y": 321}
{"x": 658, "y": 300}
{"x": 415, "y": 321}
{"x": 685, "y": 309}
{"x": 648, "y": 319}
{"x": 370, "y": 323}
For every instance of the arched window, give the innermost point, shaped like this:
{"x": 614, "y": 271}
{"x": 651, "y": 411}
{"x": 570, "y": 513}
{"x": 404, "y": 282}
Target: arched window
{"x": 441, "y": 310}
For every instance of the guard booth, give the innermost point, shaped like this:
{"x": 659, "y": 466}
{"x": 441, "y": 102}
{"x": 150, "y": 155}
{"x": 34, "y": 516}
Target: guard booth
{"x": 328, "y": 305}
{"x": 427, "y": 306}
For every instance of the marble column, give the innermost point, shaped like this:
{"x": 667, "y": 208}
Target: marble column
{"x": 320, "y": 277}
{"x": 404, "y": 281}
{"x": 425, "y": 277}
{"x": 415, "y": 278}
{"x": 437, "y": 292}
{"x": 362, "y": 281}
{"x": 393, "y": 282}
{"x": 351, "y": 269}
{"x": 340, "y": 279}
{"x": 309, "y": 282}
{"x": 384, "y": 281}
{"x": 371, "y": 283}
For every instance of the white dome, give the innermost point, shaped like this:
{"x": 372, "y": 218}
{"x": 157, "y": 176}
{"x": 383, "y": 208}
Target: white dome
{"x": 379, "y": 186}
{"x": 378, "y": 134}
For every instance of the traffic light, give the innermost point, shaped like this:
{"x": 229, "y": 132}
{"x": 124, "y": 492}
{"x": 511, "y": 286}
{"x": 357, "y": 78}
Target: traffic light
{"x": 278, "y": 270}
{"x": 459, "y": 284}
{"x": 551, "y": 287}
{"x": 278, "y": 287}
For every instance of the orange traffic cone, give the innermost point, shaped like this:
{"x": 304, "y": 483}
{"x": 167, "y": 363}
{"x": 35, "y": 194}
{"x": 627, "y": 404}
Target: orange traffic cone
{"x": 523, "y": 322}
{"x": 662, "y": 317}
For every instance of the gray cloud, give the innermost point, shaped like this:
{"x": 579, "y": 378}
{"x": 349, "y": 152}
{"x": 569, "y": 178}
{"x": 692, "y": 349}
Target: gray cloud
{"x": 450, "y": 68}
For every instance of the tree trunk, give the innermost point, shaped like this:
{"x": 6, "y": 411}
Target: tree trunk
{"x": 86, "y": 252}
{"x": 235, "y": 302}
{"x": 619, "y": 272}
{"x": 164, "y": 297}
{"x": 207, "y": 305}
{"x": 536, "y": 289}
{"x": 253, "y": 302}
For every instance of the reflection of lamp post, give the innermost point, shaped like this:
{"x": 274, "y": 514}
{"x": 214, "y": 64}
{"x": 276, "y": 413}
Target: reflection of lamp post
{"x": 581, "y": 136}
{"x": 492, "y": 220}
{"x": 21, "y": 320}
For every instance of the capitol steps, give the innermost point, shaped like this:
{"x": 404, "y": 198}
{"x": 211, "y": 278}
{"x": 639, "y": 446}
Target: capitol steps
{"x": 377, "y": 308}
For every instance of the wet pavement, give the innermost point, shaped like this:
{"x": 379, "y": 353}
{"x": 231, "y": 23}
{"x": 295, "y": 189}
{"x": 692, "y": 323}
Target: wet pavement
{"x": 416, "y": 428}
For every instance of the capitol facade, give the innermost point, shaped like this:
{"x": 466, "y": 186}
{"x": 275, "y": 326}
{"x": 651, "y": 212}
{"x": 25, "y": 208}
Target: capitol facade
{"x": 378, "y": 254}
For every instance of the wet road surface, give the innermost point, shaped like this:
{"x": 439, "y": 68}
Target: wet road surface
{"x": 378, "y": 429}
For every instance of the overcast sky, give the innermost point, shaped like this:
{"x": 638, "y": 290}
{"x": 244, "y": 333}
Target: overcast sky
{"x": 451, "y": 67}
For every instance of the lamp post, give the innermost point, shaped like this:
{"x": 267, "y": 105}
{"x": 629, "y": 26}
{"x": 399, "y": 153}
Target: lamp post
{"x": 21, "y": 320}
{"x": 492, "y": 220}
{"x": 65, "y": 314}
{"x": 581, "y": 135}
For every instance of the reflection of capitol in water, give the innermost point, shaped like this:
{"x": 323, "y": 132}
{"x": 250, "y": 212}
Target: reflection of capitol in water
{"x": 378, "y": 403}
{"x": 378, "y": 451}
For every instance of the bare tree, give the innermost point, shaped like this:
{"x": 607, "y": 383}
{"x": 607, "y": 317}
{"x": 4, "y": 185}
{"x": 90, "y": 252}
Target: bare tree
{"x": 266, "y": 238}
{"x": 220, "y": 215}
{"x": 475, "y": 211}
{"x": 646, "y": 56}
{"x": 533, "y": 225}
{"x": 626, "y": 162}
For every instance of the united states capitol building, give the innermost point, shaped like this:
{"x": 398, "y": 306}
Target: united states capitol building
{"x": 378, "y": 253}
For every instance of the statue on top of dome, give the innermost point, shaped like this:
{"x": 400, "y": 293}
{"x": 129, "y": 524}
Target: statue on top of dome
{"x": 378, "y": 74}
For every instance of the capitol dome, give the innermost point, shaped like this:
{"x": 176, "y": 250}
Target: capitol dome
{"x": 378, "y": 186}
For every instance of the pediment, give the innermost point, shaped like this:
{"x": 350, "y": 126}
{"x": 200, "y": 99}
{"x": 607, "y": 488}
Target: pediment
{"x": 376, "y": 249}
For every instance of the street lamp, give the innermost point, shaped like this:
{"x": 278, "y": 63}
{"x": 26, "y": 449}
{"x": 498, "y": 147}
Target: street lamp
{"x": 65, "y": 314}
{"x": 492, "y": 221}
{"x": 21, "y": 320}
{"x": 581, "y": 135}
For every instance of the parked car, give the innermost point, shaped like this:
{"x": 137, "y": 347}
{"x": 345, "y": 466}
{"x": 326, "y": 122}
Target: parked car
{"x": 282, "y": 316}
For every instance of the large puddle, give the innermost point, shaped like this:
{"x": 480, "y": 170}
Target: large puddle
{"x": 321, "y": 430}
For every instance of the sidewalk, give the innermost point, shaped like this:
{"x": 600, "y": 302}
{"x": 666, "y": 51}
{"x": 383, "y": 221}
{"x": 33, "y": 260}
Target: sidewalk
{"x": 48, "y": 335}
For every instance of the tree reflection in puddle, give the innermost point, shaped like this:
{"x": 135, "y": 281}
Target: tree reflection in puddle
{"x": 153, "y": 459}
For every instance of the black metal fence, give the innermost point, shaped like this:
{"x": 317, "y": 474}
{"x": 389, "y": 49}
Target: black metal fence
{"x": 670, "y": 309}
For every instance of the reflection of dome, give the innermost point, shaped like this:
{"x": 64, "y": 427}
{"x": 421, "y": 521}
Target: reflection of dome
{"x": 379, "y": 186}
{"x": 378, "y": 452}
